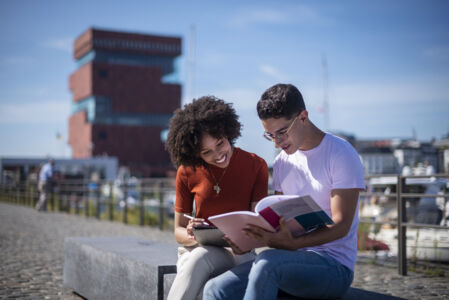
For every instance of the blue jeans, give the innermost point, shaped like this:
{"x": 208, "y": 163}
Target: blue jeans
{"x": 304, "y": 274}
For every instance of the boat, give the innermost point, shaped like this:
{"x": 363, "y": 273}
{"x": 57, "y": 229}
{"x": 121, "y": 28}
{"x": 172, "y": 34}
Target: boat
{"x": 422, "y": 243}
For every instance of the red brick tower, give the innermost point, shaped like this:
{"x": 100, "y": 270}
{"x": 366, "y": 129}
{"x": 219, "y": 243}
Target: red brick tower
{"x": 125, "y": 90}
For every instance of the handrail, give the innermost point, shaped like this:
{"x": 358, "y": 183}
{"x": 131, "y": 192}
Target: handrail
{"x": 401, "y": 221}
{"x": 101, "y": 198}
{"x": 104, "y": 197}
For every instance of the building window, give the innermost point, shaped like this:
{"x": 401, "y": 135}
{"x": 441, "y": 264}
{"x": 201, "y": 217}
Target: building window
{"x": 102, "y": 73}
{"x": 102, "y": 135}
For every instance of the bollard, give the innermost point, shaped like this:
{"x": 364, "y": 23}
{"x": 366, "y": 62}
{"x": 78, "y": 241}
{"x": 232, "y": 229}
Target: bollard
{"x": 125, "y": 197}
{"x": 161, "y": 211}
{"x": 77, "y": 204}
{"x": 60, "y": 205}
{"x": 402, "y": 230}
{"x": 18, "y": 200}
{"x": 141, "y": 208}
{"x": 97, "y": 200}
{"x": 30, "y": 195}
{"x": 35, "y": 195}
{"x": 86, "y": 198}
{"x": 110, "y": 199}
{"x": 52, "y": 198}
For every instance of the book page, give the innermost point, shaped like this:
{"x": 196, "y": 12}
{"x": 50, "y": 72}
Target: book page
{"x": 302, "y": 210}
{"x": 271, "y": 200}
{"x": 293, "y": 207}
{"x": 231, "y": 224}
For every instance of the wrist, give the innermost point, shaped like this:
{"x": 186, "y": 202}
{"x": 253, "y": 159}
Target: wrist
{"x": 298, "y": 242}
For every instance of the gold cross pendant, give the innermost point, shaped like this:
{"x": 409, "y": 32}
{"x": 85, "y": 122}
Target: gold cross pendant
{"x": 217, "y": 188}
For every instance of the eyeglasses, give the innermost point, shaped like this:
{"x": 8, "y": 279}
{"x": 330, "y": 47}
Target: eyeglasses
{"x": 281, "y": 135}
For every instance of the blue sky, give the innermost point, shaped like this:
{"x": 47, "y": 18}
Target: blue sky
{"x": 388, "y": 62}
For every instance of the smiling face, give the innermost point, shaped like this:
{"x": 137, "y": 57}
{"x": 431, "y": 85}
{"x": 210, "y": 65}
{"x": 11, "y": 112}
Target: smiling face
{"x": 216, "y": 152}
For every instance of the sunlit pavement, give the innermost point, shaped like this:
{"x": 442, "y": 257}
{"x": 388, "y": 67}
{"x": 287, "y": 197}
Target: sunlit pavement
{"x": 32, "y": 245}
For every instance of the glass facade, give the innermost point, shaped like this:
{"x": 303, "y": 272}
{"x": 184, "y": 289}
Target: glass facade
{"x": 98, "y": 111}
{"x": 168, "y": 65}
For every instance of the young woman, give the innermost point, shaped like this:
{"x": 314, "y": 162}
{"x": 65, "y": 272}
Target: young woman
{"x": 213, "y": 177}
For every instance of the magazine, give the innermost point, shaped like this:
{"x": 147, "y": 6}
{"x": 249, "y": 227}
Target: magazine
{"x": 301, "y": 214}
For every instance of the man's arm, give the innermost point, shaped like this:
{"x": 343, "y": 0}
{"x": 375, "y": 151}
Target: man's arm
{"x": 343, "y": 207}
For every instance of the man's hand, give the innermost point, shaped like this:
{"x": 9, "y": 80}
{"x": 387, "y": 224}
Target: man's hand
{"x": 234, "y": 247}
{"x": 282, "y": 239}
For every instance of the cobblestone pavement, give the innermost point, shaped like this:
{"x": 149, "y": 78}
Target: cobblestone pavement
{"x": 32, "y": 244}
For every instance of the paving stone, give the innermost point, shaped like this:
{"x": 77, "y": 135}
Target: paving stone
{"x": 32, "y": 256}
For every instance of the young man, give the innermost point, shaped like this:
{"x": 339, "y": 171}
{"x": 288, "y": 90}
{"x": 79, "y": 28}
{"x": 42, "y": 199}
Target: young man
{"x": 318, "y": 264}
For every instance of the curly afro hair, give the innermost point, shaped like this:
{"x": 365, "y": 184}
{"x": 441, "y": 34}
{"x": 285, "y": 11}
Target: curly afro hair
{"x": 204, "y": 115}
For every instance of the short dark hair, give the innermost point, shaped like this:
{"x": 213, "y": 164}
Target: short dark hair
{"x": 280, "y": 100}
{"x": 204, "y": 115}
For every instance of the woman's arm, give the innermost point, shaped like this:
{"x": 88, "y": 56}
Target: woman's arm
{"x": 184, "y": 202}
{"x": 343, "y": 206}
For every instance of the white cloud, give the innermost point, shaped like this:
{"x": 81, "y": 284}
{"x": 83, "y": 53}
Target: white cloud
{"x": 64, "y": 44}
{"x": 259, "y": 16}
{"x": 286, "y": 14}
{"x": 36, "y": 112}
{"x": 387, "y": 109}
{"x": 273, "y": 72}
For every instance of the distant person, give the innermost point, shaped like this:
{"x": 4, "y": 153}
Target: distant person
{"x": 213, "y": 177}
{"x": 320, "y": 263}
{"x": 45, "y": 184}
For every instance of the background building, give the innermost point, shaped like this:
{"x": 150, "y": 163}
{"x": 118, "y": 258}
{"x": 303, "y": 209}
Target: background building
{"x": 377, "y": 157}
{"x": 404, "y": 156}
{"x": 125, "y": 90}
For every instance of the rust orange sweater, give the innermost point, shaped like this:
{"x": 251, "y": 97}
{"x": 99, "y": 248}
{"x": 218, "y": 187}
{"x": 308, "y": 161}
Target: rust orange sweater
{"x": 245, "y": 181}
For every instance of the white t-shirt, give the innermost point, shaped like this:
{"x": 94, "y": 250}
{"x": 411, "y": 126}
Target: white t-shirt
{"x": 333, "y": 164}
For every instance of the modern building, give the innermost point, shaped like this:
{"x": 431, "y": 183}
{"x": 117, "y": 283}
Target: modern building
{"x": 125, "y": 90}
{"x": 378, "y": 160}
{"x": 403, "y": 156}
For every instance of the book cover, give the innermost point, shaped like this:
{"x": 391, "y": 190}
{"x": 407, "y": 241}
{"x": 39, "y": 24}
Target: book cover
{"x": 301, "y": 214}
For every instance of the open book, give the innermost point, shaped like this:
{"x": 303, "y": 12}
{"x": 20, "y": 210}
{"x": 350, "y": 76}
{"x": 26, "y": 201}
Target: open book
{"x": 300, "y": 213}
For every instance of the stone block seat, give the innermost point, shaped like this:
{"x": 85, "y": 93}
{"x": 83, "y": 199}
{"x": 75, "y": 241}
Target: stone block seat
{"x": 135, "y": 268}
{"x": 118, "y": 267}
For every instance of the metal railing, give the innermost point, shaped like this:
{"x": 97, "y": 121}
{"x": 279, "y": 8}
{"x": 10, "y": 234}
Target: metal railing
{"x": 141, "y": 202}
{"x": 151, "y": 202}
{"x": 401, "y": 196}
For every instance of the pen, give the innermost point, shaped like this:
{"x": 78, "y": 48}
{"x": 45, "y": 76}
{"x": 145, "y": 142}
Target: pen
{"x": 191, "y": 218}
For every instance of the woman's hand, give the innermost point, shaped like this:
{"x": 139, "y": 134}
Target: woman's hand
{"x": 193, "y": 222}
{"x": 282, "y": 239}
{"x": 183, "y": 235}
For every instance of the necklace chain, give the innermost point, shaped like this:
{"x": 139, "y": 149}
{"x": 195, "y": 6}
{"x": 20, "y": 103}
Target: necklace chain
{"x": 216, "y": 186}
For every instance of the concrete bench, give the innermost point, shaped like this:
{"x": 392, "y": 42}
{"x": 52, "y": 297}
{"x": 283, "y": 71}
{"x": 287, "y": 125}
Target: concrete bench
{"x": 134, "y": 268}
{"x": 119, "y": 267}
